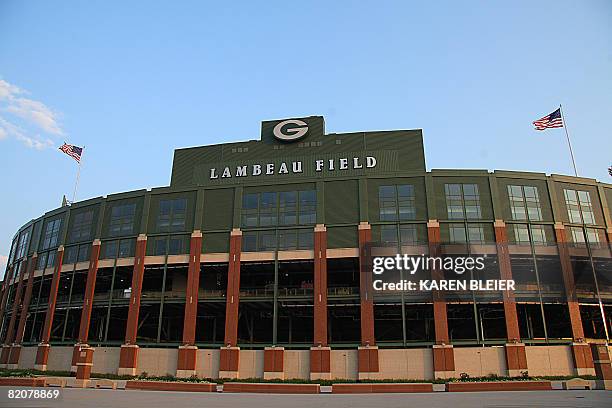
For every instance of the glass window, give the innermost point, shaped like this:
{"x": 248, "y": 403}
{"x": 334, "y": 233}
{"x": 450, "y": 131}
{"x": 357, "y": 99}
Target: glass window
{"x": 457, "y": 233}
{"x": 387, "y": 203}
{"x": 250, "y": 203}
{"x": 579, "y": 207}
{"x": 408, "y": 234}
{"x": 288, "y": 208}
{"x": 110, "y": 250}
{"x": 287, "y": 239}
{"x": 83, "y": 253}
{"x": 249, "y": 241}
{"x": 462, "y": 201}
{"x": 475, "y": 234}
{"x": 23, "y": 244}
{"x": 41, "y": 263}
{"x": 577, "y": 234}
{"x": 308, "y": 207}
{"x": 171, "y": 217}
{"x": 51, "y": 235}
{"x": 524, "y": 203}
{"x": 126, "y": 248}
{"x": 122, "y": 219}
{"x": 267, "y": 209}
{"x": 70, "y": 254}
{"x": 396, "y": 202}
{"x": 267, "y": 240}
{"x": 51, "y": 259}
{"x": 176, "y": 246}
{"x": 305, "y": 239}
{"x": 81, "y": 226}
{"x": 388, "y": 234}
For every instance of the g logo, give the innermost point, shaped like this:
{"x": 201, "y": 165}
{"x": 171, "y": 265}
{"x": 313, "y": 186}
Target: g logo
{"x": 289, "y": 134}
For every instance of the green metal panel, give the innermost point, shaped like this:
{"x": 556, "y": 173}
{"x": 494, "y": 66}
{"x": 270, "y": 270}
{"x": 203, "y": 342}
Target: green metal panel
{"x": 342, "y": 237}
{"x": 218, "y": 209}
{"x": 75, "y": 211}
{"x": 110, "y": 204}
{"x": 594, "y": 193}
{"x": 215, "y": 242}
{"x": 342, "y": 202}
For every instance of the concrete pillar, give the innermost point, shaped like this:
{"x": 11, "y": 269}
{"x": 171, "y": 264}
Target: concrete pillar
{"x": 10, "y": 333}
{"x": 230, "y": 354}
{"x": 516, "y": 357}
{"x": 128, "y": 358}
{"x": 583, "y": 360}
{"x": 187, "y": 353}
{"x": 320, "y": 367}
{"x": 368, "y": 351}
{"x": 274, "y": 367}
{"x": 42, "y": 354}
{"x": 16, "y": 346}
{"x": 443, "y": 353}
{"x": 90, "y": 287}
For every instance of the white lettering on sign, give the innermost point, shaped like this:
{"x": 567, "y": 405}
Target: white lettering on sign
{"x": 268, "y": 169}
{"x": 290, "y": 133}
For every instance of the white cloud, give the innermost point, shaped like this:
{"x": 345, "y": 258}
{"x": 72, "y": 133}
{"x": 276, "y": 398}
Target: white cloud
{"x": 3, "y": 262}
{"x": 23, "y": 118}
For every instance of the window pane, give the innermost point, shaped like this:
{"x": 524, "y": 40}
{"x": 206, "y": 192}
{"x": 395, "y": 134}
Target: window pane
{"x": 388, "y": 234}
{"x": 249, "y": 241}
{"x": 457, "y": 233}
{"x": 308, "y": 207}
{"x": 408, "y": 234}
{"x": 288, "y": 208}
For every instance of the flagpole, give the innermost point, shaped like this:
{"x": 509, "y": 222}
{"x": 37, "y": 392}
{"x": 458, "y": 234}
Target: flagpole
{"x": 569, "y": 143}
{"x": 76, "y": 184}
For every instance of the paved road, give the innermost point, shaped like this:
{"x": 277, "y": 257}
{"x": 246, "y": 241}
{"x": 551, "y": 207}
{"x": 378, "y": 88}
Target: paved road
{"x": 85, "y": 398}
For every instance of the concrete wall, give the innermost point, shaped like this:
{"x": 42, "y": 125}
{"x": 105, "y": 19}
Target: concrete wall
{"x": 251, "y": 363}
{"x": 106, "y": 360}
{"x": 549, "y": 360}
{"x": 207, "y": 363}
{"x": 480, "y": 361}
{"x": 297, "y": 364}
{"x": 413, "y": 364}
{"x": 157, "y": 361}
{"x": 27, "y": 358}
{"x": 60, "y": 358}
{"x": 344, "y": 364}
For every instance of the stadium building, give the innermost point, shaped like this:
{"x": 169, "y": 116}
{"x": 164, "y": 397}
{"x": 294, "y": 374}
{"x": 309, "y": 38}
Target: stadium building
{"x": 252, "y": 264}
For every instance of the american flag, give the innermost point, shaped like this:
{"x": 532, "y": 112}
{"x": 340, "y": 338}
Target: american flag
{"x": 73, "y": 151}
{"x": 553, "y": 120}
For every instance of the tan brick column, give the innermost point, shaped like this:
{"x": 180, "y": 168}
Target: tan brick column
{"x": 603, "y": 368}
{"x": 128, "y": 359}
{"x": 583, "y": 360}
{"x": 230, "y": 353}
{"x": 368, "y": 351}
{"x": 516, "y": 359}
{"x": 443, "y": 354}
{"x": 16, "y": 346}
{"x": 90, "y": 287}
{"x": 10, "y": 333}
{"x": 42, "y": 354}
{"x": 187, "y": 353}
{"x": 320, "y": 353}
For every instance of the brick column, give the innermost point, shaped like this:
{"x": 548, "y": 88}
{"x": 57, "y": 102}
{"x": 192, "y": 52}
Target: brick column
{"x": 368, "y": 351}
{"x": 128, "y": 359}
{"x": 84, "y": 365}
{"x": 443, "y": 353}
{"x": 6, "y": 285}
{"x": 583, "y": 360}
{"x": 274, "y": 364}
{"x": 42, "y": 354}
{"x": 16, "y": 346}
{"x": 603, "y": 369}
{"x": 10, "y": 333}
{"x": 90, "y": 287}
{"x": 320, "y": 366}
{"x": 516, "y": 358}
{"x": 187, "y": 353}
{"x": 230, "y": 354}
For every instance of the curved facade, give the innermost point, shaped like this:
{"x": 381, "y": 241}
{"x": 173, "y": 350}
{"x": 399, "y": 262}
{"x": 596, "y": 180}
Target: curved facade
{"x": 251, "y": 264}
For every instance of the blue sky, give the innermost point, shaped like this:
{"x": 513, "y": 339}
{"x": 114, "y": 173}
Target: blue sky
{"x": 133, "y": 81}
